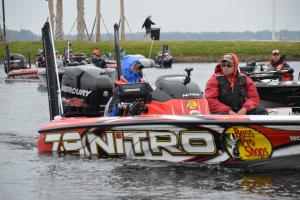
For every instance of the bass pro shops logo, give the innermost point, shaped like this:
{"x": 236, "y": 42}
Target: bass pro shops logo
{"x": 192, "y": 105}
{"x": 244, "y": 143}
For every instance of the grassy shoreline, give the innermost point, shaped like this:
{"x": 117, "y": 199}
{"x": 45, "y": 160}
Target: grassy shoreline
{"x": 183, "y": 51}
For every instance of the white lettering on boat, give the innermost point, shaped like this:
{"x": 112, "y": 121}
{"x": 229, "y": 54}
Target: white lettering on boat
{"x": 135, "y": 142}
{"x": 71, "y": 90}
{"x": 295, "y": 138}
{"x": 191, "y": 95}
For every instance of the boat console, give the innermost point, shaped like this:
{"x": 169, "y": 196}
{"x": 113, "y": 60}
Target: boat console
{"x": 129, "y": 93}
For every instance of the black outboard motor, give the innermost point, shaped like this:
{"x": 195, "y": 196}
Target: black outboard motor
{"x": 16, "y": 61}
{"x": 79, "y": 57}
{"x": 99, "y": 62}
{"x": 178, "y": 86}
{"x": 85, "y": 91}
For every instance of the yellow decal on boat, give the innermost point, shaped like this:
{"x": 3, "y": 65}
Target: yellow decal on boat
{"x": 192, "y": 105}
{"x": 245, "y": 143}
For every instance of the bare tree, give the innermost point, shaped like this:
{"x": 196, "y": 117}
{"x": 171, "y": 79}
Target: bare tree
{"x": 80, "y": 19}
{"x": 59, "y": 33}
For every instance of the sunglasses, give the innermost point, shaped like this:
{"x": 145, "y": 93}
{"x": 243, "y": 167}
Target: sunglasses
{"x": 227, "y": 65}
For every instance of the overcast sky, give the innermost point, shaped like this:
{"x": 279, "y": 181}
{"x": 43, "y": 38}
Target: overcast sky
{"x": 169, "y": 15}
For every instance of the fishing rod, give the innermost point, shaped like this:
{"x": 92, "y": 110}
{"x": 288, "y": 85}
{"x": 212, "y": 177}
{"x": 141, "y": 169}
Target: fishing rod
{"x": 54, "y": 92}
{"x": 291, "y": 70}
{"x": 4, "y": 23}
{"x": 268, "y": 74}
{"x": 7, "y": 69}
{"x": 29, "y": 58}
{"x": 117, "y": 49}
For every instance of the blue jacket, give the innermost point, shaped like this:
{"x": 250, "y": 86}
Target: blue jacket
{"x": 127, "y": 63}
{"x": 130, "y": 76}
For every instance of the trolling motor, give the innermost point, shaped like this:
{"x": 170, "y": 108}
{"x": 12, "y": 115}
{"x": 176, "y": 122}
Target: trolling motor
{"x": 187, "y": 79}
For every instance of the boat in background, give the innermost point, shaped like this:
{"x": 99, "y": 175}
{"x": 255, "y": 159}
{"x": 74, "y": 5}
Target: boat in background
{"x": 42, "y": 73}
{"x": 16, "y": 67}
{"x": 70, "y": 59}
{"x": 164, "y": 58}
{"x": 171, "y": 123}
{"x": 272, "y": 90}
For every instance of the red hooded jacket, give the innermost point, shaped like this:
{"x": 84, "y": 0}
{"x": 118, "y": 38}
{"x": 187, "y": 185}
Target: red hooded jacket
{"x": 212, "y": 90}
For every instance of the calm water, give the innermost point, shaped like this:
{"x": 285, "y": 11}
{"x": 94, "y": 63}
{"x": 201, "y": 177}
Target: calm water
{"x": 24, "y": 174}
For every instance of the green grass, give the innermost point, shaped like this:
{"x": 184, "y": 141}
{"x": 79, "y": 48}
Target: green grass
{"x": 178, "y": 48}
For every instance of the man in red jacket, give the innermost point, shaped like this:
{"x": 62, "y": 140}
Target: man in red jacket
{"x": 277, "y": 62}
{"x": 230, "y": 92}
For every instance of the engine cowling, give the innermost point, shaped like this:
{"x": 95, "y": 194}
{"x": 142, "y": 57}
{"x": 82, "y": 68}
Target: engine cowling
{"x": 85, "y": 91}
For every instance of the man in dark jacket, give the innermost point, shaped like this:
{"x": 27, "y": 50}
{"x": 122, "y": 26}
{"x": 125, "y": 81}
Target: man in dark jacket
{"x": 230, "y": 92}
{"x": 147, "y": 24}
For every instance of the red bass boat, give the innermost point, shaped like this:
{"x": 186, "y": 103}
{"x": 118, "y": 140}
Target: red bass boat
{"x": 171, "y": 123}
{"x": 16, "y": 68}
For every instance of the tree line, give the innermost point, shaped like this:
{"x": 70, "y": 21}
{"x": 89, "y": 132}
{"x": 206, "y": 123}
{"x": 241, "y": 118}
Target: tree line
{"x": 25, "y": 35}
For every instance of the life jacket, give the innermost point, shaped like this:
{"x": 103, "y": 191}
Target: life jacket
{"x": 281, "y": 65}
{"x": 233, "y": 97}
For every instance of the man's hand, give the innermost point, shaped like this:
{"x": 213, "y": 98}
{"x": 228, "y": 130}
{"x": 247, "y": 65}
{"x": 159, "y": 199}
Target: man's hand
{"x": 230, "y": 112}
{"x": 242, "y": 111}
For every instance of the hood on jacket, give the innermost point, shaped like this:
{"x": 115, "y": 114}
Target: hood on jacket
{"x": 218, "y": 68}
{"x": 127, "y": 63}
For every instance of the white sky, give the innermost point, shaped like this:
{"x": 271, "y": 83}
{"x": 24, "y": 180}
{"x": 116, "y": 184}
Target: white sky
{"x": 169, "y": 15}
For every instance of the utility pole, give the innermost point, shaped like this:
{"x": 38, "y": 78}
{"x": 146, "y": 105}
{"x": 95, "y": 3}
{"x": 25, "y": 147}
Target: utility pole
{"x": 52, "y": 16}
{"x": 59, "y": 33}
{"x": 80, "y": 19}
{"x": 98, "y": 15}
{"x": 274, "y": 21}
{"x": 122, "y": 18}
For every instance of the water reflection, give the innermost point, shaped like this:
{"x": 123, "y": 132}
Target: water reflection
{"x": 188, "y": 181}
{"x": 24, "y": 174}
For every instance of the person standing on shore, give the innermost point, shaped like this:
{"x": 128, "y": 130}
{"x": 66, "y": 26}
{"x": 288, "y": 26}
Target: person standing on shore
{"x": 230, "y": 92}
{"x": 147, "y": 24}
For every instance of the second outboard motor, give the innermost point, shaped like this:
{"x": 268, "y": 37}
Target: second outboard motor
{"x": 85, "y": 91}
{"x": 16, "y": 61}
{"x": 178, "y": 86}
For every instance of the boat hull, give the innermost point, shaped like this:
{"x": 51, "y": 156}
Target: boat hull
{"x": 246, "y": 142}
{"x": 28, "y": 73}
{"x": 282, "y": 94}
{"x": 42, "y": 75}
